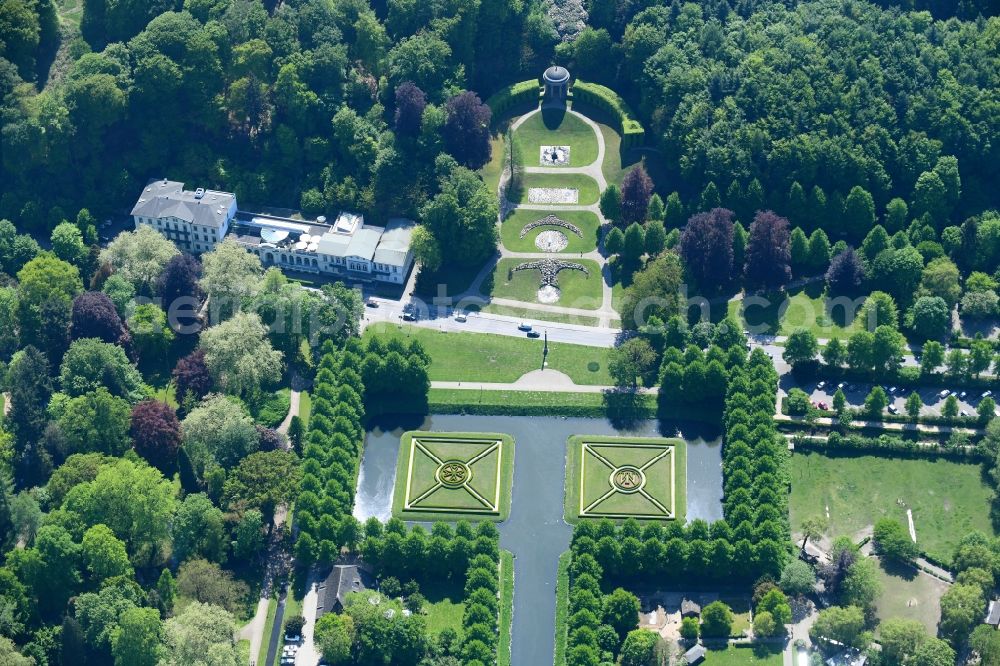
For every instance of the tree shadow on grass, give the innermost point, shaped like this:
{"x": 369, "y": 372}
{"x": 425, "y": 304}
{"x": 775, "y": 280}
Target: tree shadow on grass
{"x": 897, "y": 569}
{"x": 552, "y": 117}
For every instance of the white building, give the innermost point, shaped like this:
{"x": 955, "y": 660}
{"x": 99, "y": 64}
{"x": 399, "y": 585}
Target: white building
{"x": 196, "y": 221}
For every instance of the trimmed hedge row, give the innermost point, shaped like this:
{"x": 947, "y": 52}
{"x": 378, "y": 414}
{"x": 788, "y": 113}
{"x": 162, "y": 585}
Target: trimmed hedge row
{"x": 608, "y": 100}
{"x": 467, "y": 556}
{"x": 331, "y": 457}
{"x": 884, "y": 444}
{"x": 507, "y": 98}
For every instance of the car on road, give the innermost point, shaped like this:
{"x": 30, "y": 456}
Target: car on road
{"x": 371, "y": 302}
{"x": 524, "y": 326}
{"x": 534, "y": 334}
{"x": 944, "y": 394}
{"x": 409, "y": 316}
{"x": 461, "y": 317}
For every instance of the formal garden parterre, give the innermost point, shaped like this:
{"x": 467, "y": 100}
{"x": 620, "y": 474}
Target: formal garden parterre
{"x": 443, "y": 475}
{"x": 620, "y": 478}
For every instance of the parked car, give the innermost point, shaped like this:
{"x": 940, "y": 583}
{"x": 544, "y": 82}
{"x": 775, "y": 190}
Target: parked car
{"x": 893, "y": 409}
{"x": 986, "y": 394}
{"x": 461, "y": 317}
{"x": 962, "y": 395}
{"x": 820, "y": 385}
{"x": 841, "y": 386}
{"x": 944, "y": 393}
{"x": 892, "y": 390}
{"x": 963, "y": 413}
{"x": 371, "y": 302}
{"x": 524, "y": 326}
{"x": 534, "y": 334}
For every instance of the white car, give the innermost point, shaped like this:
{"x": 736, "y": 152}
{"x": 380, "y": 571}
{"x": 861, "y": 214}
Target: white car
{"x": 461, "y": 317}
{"x": 986, "y": 394}
{"x": 944, "y": 394}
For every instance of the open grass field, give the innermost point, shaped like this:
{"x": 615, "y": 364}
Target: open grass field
{"x": 483, "y": 357}
{"x": 526, "y": 313}
{"x": 807, "y": 308}
{"x": 948, "y": 499}
{"x": 510, "y": 230}
{"x": 555, "y": 127}
{"x": 759, "y": 655}
{"x": 491, "y": 170}
{"x": 587, "y": 186}
{"x": 576, "y": 289}
{"x": 506, "y": 606}
{"x": 910, "y": 595}
{"x": 444, "y": 608}
{"x": 440, "y": 476}
{"x": 620, "y": 478}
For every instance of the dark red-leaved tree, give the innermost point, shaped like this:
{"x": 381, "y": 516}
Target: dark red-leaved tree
{"x": 637, "y": 189}
{"x": 845, "y": 273}
{"x": 410, "y": 104}
{"x": 179, "y": 279}
{"x": 270, "y": 439}
{"x": 156, "y": 434}
{"x": 192, "y": 379}
{"x": 467, "y": 130}
{"x": 94, "y": 316}
{"x": 707, "y": 247}
{"x": 768, "y": 258}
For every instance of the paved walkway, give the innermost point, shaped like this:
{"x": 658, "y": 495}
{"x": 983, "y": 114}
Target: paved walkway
{"x": 276, "y": 561}
{"x": 547, "y": 381}
{"x": 605, "y": 313}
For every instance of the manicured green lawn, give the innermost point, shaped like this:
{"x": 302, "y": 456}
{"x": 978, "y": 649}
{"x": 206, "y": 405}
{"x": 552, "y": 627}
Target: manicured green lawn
{"x": 551, "y": 127}
{"x": 948, "y": 499}
{"x": 305, "y": 408}
{"x": 530, "y": 403}
{"x": 492, "y": 170}
{"x": 910, "y": 595}
{"x": 272, "y": 608}
{"x": 801, "y": 308}
{"x": 525, "y": 313}
{"x": 587, "y": 222}
{"x": 562, "y": 607}
{"x": 587, "y": 186}
{"x": 483, "y": 357}
{"x": 443, "y": 614}
{"x": 442, "y": 476}
{"x": 764, "y": 655}
{"x": 577, "y": 290}
{"x": 658, "y": 491}
{"x": 165, "y": 393}
{"x": 506, "y": 606}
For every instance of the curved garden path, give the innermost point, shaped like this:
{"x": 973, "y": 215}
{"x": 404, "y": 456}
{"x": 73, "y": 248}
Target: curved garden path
{"x": 606, "y": 315}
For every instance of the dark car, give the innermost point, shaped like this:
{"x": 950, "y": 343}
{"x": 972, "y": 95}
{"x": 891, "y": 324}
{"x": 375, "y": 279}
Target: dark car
{"x": 534, "y": 334}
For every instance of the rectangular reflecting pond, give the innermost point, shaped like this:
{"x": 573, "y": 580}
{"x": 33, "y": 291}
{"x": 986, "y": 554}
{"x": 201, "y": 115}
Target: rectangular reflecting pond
{"x": 536, "y": 532}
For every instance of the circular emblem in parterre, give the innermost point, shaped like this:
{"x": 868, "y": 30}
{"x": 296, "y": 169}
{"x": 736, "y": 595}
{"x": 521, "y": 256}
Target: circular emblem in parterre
{"x": 628, "y": 479}
{"x": 453, "y": 473}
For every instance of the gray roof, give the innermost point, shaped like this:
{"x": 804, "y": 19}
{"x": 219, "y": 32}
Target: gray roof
{"x": 343, "y": 579}
{"x": 363, "y": 242}
{"x": 690, "y": 607}
{"x": 395, "y": 243}
{"x": 695, "y": 654}
{"x": 556, "y": 74}
{"x": 168, "y": 198}
{"x": 993, "y": 615}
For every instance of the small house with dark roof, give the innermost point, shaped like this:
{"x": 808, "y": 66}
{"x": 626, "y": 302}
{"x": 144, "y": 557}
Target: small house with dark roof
{"x": 695, "y": 655}
{"x": 993, "y": 614}
{"x": 690, "y": 609}
{"x": 342, "y": 580}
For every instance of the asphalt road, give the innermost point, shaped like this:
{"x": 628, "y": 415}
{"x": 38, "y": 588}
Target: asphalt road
{"x": 483, "y": 322}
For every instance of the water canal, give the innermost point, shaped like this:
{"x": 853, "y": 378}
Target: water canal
{"x": 536, "y": 532}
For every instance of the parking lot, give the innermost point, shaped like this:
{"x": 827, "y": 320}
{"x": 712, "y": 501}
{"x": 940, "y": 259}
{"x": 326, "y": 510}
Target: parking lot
{"x": 933, "y": 398}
